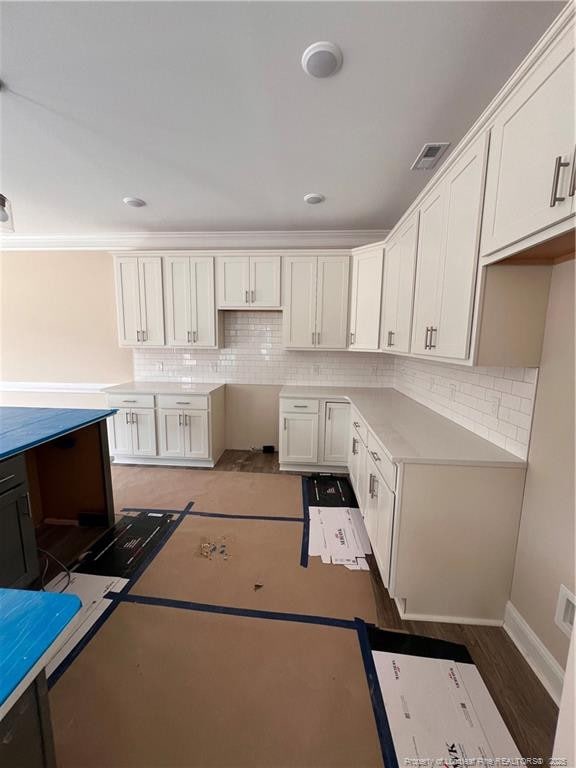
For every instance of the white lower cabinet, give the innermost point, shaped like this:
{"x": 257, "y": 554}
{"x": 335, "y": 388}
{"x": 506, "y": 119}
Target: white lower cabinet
{"x": 133, "y": 432}
{"x": 190, "y": 428}
{"x": 314, "y": 432}
{"x": 379, "y": 518}
{"x": 336, "y": 430}
{"x": 299, "y": 438}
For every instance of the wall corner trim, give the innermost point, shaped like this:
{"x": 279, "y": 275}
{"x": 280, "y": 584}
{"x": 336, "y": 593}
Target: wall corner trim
{"x": 543, "y": 664}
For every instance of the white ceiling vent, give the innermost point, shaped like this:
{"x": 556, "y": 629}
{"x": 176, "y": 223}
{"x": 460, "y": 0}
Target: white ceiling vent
{"x": 429, "y": 155}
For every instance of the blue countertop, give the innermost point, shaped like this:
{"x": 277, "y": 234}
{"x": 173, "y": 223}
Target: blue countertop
{"x": 23, "y": 428}
{"x": 30, "y": 622}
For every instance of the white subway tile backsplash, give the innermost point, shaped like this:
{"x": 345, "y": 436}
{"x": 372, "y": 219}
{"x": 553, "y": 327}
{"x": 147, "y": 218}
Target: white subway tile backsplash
{"x": 495, "y": 403}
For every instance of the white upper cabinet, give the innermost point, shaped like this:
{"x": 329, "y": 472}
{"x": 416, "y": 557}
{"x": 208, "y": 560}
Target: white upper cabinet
{"x": 248, "y": 282}
{"x": 366, "y": 297}
{"x": 139, "y": 302}
{"x": 447, "y": 258}
{"x": 265, "y": 281}
{"x": 315, "y": 301}
{"x": 189, "y": 301}
{"x": 398, "y": 288}
{"x": 531, "y": 169}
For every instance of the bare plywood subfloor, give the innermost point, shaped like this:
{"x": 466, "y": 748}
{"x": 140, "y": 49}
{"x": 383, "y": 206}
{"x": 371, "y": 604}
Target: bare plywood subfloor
{"x": 167, "y": 688}
{"x": 262, "y": 571}
{"x": 238, "y": 493}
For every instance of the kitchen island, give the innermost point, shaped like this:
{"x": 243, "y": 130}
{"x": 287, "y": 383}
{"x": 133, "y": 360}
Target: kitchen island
{"x": 55, "y": 488}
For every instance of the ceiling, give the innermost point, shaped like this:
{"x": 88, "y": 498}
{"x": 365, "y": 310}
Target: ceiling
{"x": 203, "y": 110}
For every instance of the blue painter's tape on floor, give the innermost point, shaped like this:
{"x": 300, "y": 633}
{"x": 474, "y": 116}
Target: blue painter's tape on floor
{"x": 382, "y": 724}
{"x": 306, "y": 526}
{"x": 251, "y": 613}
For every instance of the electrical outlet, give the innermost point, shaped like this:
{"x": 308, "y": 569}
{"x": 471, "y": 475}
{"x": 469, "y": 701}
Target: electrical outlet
{"x": 565, "y": 610}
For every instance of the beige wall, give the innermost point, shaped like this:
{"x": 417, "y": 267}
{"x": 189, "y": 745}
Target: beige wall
{"x": 58, "y": 318}
{"x": 545, "y": 555}
{"x": 251, "y": 415}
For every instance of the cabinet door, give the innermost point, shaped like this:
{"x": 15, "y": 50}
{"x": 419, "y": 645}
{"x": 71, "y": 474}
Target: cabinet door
{"x": 371, "y": 505}
{"x": 196, "y": 436}
{"x": 18, "y": 558}
{"x": 332, "y": 302}
{"x": 143, "y": 432}
{"x": 177, "y": 300}
{"x": 534, "y": 127}
{"x": 299, "y": 315}
{"x": 398, "y": 288}
{"x": 120, "y": 433}
{"x": 366, "y": 299}
{"x": 353, "y": 455}
{"x": 428, "y": 269}
{"x": 336, "y": 429}
{"x": 171, "y": 432}
{"x": 362, "y": 489}
{"x": 265, "y": 281}
{"x": 383, "y": 527}
{"x": 299, "y": 438}
{"x": 151, "y": 303}
{"x": 128, "y": 300}
{"x": 463, "y": 191}
{"x": 202, "y": 296}
{"x": 233, "y": 282}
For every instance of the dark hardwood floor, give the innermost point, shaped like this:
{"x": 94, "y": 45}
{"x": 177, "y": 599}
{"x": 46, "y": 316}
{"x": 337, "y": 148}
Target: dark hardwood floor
{"x": 248, "y": 461}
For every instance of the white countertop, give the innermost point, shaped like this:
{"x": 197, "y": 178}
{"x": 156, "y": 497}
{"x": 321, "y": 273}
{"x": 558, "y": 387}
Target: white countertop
{"x": 411, "y": 432}
{"x": 162, "y": 388}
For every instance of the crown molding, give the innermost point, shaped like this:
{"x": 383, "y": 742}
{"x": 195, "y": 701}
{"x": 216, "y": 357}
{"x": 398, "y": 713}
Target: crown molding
{"x": 332, "y": 238}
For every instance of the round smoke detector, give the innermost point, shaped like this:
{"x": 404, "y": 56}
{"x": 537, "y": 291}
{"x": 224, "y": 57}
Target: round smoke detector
{"x": 321, "y": 59}
{"x": 313, "y": 198}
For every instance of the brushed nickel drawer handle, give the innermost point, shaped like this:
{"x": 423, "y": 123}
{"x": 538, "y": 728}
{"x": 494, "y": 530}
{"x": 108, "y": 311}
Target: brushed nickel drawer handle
{"x": 432, "y": 332}
{"x": 247, "y": 299}
{"x": 182, "y": 402}
{"x": 253, "y": 296}
{"x": 354, "y": 451}
{"x": 129, "y": 401}
{"x": 554, "y": 197}
{"x": 572, "y": 185}
{"x": 5, "y": 479}
{"x": 188, "y": 336}
{"x": 300, "y": 406}
{"x": 390, "y": 338}
{"x": 375, "y": 456}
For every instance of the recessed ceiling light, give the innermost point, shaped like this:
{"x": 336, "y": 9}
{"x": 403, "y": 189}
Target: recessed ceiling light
{"x": 134, "y": 202}
{"x": 321, "y": 59}
{"x": 314, "y": 198}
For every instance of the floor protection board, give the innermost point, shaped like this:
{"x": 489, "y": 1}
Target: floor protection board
{"x": 179, "y": 688}
{"x": 254, "y": 564}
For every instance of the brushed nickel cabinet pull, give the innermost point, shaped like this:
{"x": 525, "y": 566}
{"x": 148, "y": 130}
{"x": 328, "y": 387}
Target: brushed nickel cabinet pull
{"x": 188, "y": 336}
{"x": 390, "y": 338}
{"x": 300, "y": 406}
{"x": 284, "y": 424}
{"x": 5, "y": 479}
{"x": 247, "y": 301}
{"x": 554, "y": 197}
{"x": 354, "y": 446}
{"x": 572, "y": 185}
{"x": 371, "y": 486}
{"x": 375, "y": 456}
{"x": 28, "y": 504}
{"x": 318, "y": 339}
{"x": 128, "y": 417}
{"x": 253, "y": 296}
{"x": 312, "y": 338}
{"x": 375, "y": 488}
{"x": 134, "y": 418}
{"x": 138, "y": 336}
{"x": 432, "y": 332}
{"x": 352, "y": 338}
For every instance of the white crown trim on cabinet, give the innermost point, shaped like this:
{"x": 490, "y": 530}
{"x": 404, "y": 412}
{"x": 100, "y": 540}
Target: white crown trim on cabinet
{"x": 344, "y": 238}
{"x": 543, "y": 664}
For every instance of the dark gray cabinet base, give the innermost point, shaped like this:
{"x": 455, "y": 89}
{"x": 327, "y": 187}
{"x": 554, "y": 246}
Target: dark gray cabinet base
{"x": 26, "y": 732}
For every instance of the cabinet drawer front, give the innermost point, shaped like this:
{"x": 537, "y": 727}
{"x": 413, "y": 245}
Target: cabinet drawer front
{"x": 383, "y": 464}
{"x": 298, "y": 406}
{"x": 12, "y": 473}
{"x": 189, "y": 402}
{"x": 131, "y": 401}
{"x": 359, "y": 426}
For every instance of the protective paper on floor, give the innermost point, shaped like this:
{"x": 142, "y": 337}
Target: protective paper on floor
{"x": 440, "y": 712}
{"x": 92, "y": 592}
{"x": 338, "y": 536}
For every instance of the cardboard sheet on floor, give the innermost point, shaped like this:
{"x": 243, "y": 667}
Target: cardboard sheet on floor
{"x": 437, "y": 705}
{"x": 92, "y": 593}
{"x": 261, "y": 570}
{"x": 338, "y": 536}
{"x": 232, "y": 493}
{"x": 169, "y": 687}
{"x": 330, "y": 491}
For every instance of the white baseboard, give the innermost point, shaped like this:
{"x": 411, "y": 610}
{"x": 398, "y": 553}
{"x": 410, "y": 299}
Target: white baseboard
{"x": 543, "y": 664}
